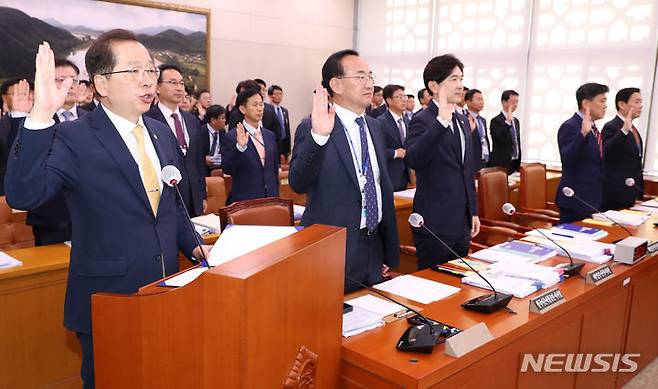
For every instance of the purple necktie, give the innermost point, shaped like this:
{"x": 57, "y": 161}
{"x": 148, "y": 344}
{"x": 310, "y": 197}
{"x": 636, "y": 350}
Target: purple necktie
{"x": 180, "y": 135}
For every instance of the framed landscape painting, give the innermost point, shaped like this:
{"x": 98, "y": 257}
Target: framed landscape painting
{"x": 172, "y": 33}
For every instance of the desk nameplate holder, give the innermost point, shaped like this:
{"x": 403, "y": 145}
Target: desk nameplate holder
{"x": 467, "y": 340}
{"x": 546, "y": 301}
{"x": 598, "y": 275}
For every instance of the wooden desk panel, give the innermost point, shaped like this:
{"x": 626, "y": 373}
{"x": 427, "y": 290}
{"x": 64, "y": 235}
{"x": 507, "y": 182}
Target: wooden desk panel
{"x": 591, "y": 313}
{"x": 36, "y": 350}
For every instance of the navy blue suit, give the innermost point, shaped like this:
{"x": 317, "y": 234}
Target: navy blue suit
{"x": 117, "y": 242}
{"x": 193, "y": 185}
{"x": 376, "y": 112}
{"x": 327, "y": 175}
{"x": 622, "y": 159}
{"x": 581, "y": 171}
{"x": 250, "y": 178}
{"x": 478, "y": 162}
{"x": 445, "y": 188}
{"x": 397, "y": 167}
{"x": 502, "y": 143}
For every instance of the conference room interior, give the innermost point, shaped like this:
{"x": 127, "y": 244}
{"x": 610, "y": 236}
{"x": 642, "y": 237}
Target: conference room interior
{"x": 475, "y": 127}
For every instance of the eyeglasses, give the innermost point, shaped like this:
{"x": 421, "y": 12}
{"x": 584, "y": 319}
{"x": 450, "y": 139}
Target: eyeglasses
{"x": 60, "y": 80}
{"x": 174, "y": 82}
{"x": 138, "y": 74}
{"x": 400, "y": 97}
{"x": 364, "y": 78}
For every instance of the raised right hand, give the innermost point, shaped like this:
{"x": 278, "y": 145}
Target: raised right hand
{"x": 322, "y": 118}
{"x": 48, "y": 96}
{"x": 628, "y": 120}
{"x": 20, "y": 99}
{"x": 242, "y": 136}
{"x": 445, "y": 109}
{"x": 587, "y": 123}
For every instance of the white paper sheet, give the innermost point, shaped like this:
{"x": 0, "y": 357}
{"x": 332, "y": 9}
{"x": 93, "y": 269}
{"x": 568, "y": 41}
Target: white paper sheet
{"x": 7, "y": 261}
{"x": 407, "y": 194}
{"x": 360, "y": 320}
{"x": 237, "y": 240}
{"x": 376, "y": 305}
{"x": 186, "y": 277}
{"x": 418, "y": 289}
{"x": 210, "y": 221}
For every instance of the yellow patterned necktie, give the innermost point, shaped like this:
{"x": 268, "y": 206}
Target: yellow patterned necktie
{"x": 149, "y": 176}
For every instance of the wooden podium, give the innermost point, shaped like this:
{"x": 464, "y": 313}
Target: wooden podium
{"x": 269, "y": 319}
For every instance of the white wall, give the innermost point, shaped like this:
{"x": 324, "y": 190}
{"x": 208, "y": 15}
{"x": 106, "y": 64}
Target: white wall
{"x": 284, "y": 42}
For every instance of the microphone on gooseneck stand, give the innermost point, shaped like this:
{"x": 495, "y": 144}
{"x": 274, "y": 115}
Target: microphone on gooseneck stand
{"x": 570, "y": 269}
{"x": 567, "y": 191}
{"x": 486, "y": 303}
{"x": 630, "y": 182}
{"x": 415, "y": 338}
{"x": 171, "y": 176}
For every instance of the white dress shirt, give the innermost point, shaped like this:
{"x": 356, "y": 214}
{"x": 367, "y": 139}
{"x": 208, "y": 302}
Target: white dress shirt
{"x": 124, "y": 127}
{"x": 349, "y": 124}
{"x": 170, "y": 121}
{"x": 211, "y": 132}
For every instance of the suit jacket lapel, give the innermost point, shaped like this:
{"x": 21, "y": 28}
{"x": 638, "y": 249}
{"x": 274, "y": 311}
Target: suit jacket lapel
{"x": 379, "y": 152}
{"x": 109, "y": 137}
{"x": 343, "y": 149}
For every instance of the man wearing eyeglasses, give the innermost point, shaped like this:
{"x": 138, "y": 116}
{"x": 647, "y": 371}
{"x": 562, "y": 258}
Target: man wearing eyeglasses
{"x": 127, "y": 226}
{"x": 186, "y": 127}
{"x": 69, "y": 110}
{"x": 339, "y": 161}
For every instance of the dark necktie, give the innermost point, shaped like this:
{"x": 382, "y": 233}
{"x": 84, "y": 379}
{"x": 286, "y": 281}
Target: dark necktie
{"x": 515, "y": 145}
{"x": 372, "y": 210}
{"x": 401, "y": 129}
{"x": 597, "y": 135}
{"x": 180, "y": 135}
{"x": 282, "y": 121}
{"x": 636, "y": 136}
{"x": 455, "y": 136}
{"x": 213, "y": 148}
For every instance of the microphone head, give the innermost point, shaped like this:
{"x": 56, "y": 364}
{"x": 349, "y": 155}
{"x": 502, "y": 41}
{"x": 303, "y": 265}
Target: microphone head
{"x": 171, "y": 175}
{"x": 509, "y": 209}
{"x": 568, "y": 191}
{"x": 416, "y": 220}
{"x": 630, "y": 182}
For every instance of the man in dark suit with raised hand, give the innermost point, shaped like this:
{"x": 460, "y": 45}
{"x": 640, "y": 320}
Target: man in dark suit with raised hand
{"x": 506, "y": 134}
{"x": 249, "y": 152}
{"x": 275, "y": 93}
{"x": 622, "y": 152}
{"x": 440, "y": 150}
{"x": 187, "y": 129}
{"x": 338, "y": 161}
{"x": 395, "y": 127}
{"x": 127, "y": 226}
{"x": 581, "y": 152}
{"x": 481, "y": 151}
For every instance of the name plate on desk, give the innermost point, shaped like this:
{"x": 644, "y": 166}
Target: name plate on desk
{"x": 546, "y": 301}
{"x": 468, "y": 340}
{"x": 598, "y": 275}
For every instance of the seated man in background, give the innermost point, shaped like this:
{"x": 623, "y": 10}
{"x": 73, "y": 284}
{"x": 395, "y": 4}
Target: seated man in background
{"x": 249, "y": 152}
{"x": 581, "y": 152}
{"x": 215, "y": 123}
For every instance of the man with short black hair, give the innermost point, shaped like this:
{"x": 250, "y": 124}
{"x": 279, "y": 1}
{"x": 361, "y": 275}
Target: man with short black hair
{"x": 506, "y": 134}
{"x": 128, "y": 226}
{"x": 187, "y": 130}
{"x": 275, "y": 93}
{"x": 581, "y": 153}
{"x": 215, "y": 122}
{"x": 203, "y": 101}
{"x": 269, "y": 119}
{"x": 424, "y": 98}
{"x": 409, "y": 106}
{"x": 475, "y": 104}
{"x": 439, "y": 150}
{"x": 377, "y": 107}
{"x": 338, "y": 161}
{"x": 395, "y": 127}
{"x": 622, "y": 152}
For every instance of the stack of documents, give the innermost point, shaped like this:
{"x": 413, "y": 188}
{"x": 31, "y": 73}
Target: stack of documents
{"x": 206, "y": 224}
{"x": 516, "y": 251}
{"x": 418, "y": 289}
{"x": 650, "y": 206}
{"x": 579, "y": 232}
{"x": 626, "y": 217}
{"x": 459, "y": 268}
{"x": 407, "y": 194}
{"x": 376, "y": 305}
{"x": 6, "y": 261}
{"x": 518, "y": 287}
{"x": 546, "y": 275}
{"x": 237, "y": 240}
{"x": 586, "y": 250}
{"x": 360, "y": 320}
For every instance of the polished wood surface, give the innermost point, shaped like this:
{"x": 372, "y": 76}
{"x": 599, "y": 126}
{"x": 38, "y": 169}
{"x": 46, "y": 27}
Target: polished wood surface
{"x": 36, "y": 351}
{"x": 594, "y": 319}
{"x": 239, "y": 325}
